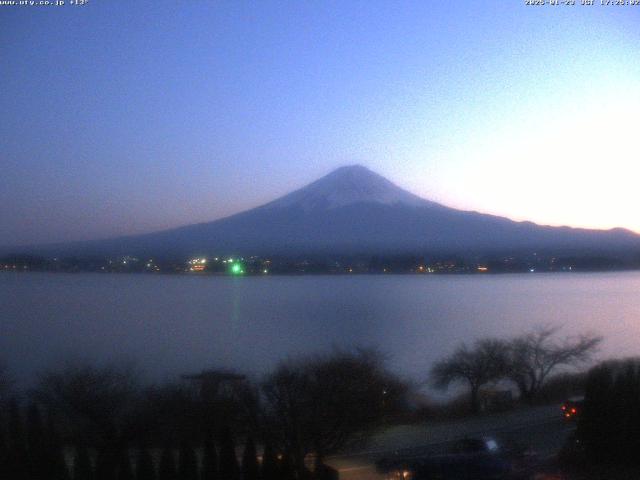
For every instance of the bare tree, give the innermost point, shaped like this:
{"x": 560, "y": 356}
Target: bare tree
{"x": 533, "y": 356}
{"x": 319, "y": 405}
{"x": 477, "y": 366}
{"x": 96, "y": 402}
{"x": 5, "y": 383}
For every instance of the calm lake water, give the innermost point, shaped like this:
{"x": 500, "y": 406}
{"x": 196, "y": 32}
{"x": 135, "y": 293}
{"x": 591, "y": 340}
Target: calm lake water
{"x": 176, "y": 324}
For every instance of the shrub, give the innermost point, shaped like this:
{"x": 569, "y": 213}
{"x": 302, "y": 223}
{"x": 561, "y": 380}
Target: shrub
{"x": 609, "y": 425}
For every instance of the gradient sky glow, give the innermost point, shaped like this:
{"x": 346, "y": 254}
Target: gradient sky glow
{"x": 125, "y": 117}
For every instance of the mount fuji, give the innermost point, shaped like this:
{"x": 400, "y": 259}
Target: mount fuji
{"x": 354, "y": 210}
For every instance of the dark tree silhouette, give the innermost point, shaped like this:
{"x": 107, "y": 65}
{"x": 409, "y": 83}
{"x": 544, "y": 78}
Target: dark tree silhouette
{"x": 167, "y": 412}
{"x": 17, "y": 455}
{"x": 209, "y": 461}
{"x": 5, "y": 383}
{"x": 250, "y": 468}
{"x": 286, "y": 469}
{"x": 82, "y": 468}
{"x": 535, "y": 355}
{"x": 609, "y": 425}
{"x": 322, "y": 404}
{"x": 39, "y": 454}
{"x": 3, "y": 448}
{"x": 477, "y": 366}
{"x": 124, "y": 470}
{"x": 60, "y": 470}
{"x": 269, "y": 468}
{"x": 55, "y": 451}
{"x": 106, "y": 463}
{"x": 228, "y": 467}
{"x": 35, "y": 429}
{"x": 188, "y": 462}
{"x": 97, "y": 402}
{"x": 167, "y": 469}
{"x": 146, "y": 469}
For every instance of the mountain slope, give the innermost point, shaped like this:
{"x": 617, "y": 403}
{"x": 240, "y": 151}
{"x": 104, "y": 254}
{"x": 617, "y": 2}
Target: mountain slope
{"x": 355, "y": 210}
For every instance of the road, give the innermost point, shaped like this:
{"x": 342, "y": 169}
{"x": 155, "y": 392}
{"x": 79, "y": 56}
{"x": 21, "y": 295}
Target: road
{"x": 541, "y": 431}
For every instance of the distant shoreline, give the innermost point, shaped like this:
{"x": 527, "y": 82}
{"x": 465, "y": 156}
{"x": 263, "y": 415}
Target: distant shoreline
{"x": 321, "y": 274}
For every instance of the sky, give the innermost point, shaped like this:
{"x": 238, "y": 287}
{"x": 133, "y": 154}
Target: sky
{"x": 123, "y": 117}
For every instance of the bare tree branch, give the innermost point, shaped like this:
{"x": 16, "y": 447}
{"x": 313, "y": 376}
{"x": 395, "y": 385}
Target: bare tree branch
{"x": 533, "y": 356}
{"x": 321, "y": 404}
{"x": 484, "y": 363}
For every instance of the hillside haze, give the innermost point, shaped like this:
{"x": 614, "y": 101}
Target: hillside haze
{"x": 354, "y": 210}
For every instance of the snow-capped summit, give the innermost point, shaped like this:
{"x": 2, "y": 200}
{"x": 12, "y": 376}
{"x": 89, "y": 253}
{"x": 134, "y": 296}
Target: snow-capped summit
{"x": 348, "y": 185}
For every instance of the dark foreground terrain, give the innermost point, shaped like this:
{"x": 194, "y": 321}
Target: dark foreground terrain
{"x": 532, "y": 436}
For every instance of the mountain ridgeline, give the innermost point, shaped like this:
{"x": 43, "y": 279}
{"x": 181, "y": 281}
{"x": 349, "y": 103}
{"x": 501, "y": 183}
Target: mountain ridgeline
{"x": 353, "y": 210}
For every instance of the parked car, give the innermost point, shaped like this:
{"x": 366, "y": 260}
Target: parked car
{"x": 572, "y": 408}
{"x": 468, "y": 459}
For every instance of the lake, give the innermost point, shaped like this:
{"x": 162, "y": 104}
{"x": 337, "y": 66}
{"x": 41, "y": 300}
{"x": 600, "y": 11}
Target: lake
{"x": 175, "y": 324}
